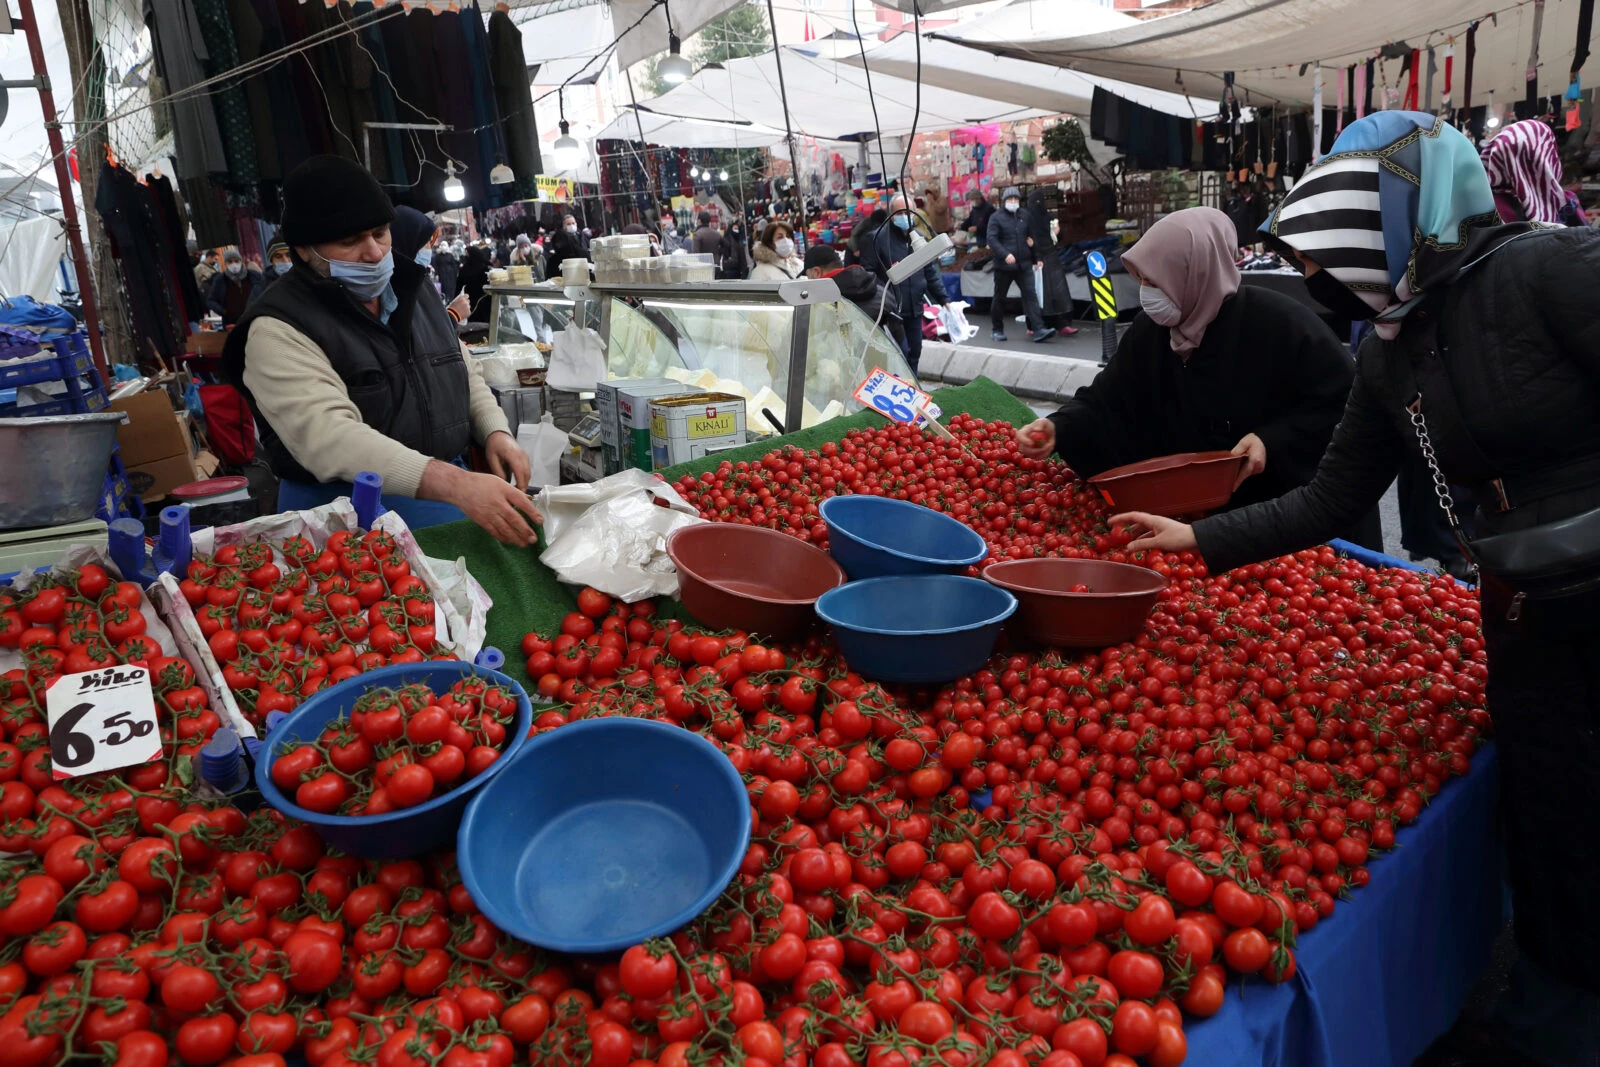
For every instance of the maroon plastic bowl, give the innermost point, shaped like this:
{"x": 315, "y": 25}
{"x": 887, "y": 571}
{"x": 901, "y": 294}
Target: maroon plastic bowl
{"x": 750, "y": 578}
{"x": 1188, "y": 483}
{"x": 1120, "y": 596}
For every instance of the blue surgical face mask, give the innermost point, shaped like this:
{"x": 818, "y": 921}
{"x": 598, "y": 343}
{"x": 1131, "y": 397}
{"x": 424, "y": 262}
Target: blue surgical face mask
{"x": 424, "y": 257}
{"x": 282, "y": 268}
{"x": 364, "y": 280}
{"x": 903, "y": 221}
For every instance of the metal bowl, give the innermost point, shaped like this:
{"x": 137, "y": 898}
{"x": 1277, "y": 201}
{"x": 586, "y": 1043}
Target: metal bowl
{"x": 55, "y": 467}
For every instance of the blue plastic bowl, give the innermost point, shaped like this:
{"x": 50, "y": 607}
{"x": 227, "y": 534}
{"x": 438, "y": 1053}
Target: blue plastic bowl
{"x": 916, "y": 627}
{"x": 398, "y": 834}
{"x": 603, "y": 833}
{"x": 873, "y": 536}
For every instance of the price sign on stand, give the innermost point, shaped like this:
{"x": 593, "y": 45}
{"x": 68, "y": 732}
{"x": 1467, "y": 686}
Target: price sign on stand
{"x": 101, "y": 720}
{"x": 896, "y": 398}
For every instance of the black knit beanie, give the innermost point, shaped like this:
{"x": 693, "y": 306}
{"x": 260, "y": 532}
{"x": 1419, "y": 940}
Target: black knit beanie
{"x": 328, "y": 197}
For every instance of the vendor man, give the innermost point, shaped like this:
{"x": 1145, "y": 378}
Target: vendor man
{"x": 351, "y": 364}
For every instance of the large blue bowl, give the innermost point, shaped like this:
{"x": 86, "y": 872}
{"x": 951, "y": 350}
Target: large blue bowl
{"x": 410, "y": 831}
{"x": 918, "y": 628}
{"x": 603, "y": 833}
{"x": 873, "y": 536}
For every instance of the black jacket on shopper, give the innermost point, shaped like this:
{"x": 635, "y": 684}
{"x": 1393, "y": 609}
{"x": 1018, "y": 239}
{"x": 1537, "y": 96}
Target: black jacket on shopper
{"x": 1008, "y": 235}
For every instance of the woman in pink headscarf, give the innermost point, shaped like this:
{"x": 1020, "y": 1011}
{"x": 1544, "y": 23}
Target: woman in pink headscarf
{"x": 1208, "y": 365}
{"x": 1525, "y": 170}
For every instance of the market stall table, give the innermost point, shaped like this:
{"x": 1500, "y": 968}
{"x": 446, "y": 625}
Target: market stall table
{"x": 1376, "y": 983}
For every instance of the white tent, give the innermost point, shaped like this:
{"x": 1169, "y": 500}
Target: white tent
{"x": 639, "y": 27}
{"x": 948, "y": 65}
{"x": 828, "y": 99}
{"x": 1266, "y": 43}
{"x": 669, "y": 132}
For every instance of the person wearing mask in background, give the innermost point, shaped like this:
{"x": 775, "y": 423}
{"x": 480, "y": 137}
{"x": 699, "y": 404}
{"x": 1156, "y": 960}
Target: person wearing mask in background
{"x": 1487, "y": 341}
{"x": 857, "y": 285}
{"x": 1209, "y": 365}
{"x": 777, "y": 259}
{"x": 474, "y": 278}
{"x": 733, "y": 253}
{"x": 1050, "y": 278}
{"x": 447, "y": 268}
{"x": 234, "y": 288}
{"x": 937, "y": 209}
{"x": 350, "y": 364}
{"x": 412, "y": 233}
{"x": 671, "y": 240}
{"x": 278, "y": 261}
{"x": 1013, "y": 262}
{"x": 206, "y": 269}
{"x": 568, "y": 244}
{"x": 1524, "y": 169}
{"x": 707, "y": 240}
{"x": 979, "y": 212}
{"x": 888, "y": 245}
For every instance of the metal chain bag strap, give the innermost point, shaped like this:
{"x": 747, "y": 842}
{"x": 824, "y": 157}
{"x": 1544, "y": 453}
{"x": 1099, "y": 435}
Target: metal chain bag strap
{"x": 1544, "y": 562}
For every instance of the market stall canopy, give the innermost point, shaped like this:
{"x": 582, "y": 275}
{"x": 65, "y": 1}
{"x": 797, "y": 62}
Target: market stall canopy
{"x": 566, "y": 44}
{"x": 639, "y": 27}
{"x": 1270, "y": 45}
{"x": 828, "y": 99}
{"x": 669, "y": 132}
{"x": 956, "y": 67}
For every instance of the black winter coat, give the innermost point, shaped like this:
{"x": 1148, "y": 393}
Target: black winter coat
{"x": 1008, "y": 233}
{"x": 888, "y": 245}
{"x": 1267, "y": 365}
{"x": 1517, "y": 342}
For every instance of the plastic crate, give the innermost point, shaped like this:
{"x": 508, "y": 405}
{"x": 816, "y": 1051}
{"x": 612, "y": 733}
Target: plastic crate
{"x": 72, "y": 366}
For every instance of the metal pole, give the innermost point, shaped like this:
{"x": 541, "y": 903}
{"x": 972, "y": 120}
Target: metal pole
{"x": 69, "y": 210}
{"x": 788, "y": 128}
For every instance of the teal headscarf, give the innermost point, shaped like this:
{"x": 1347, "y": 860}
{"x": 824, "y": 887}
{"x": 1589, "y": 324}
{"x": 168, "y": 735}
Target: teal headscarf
{"x": 1396, "y": 209}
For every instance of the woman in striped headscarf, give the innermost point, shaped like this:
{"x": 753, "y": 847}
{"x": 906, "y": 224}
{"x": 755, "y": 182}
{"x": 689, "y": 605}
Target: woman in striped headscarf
{"x": 1525, "y": 171}
{"x": 1489, "y": 330}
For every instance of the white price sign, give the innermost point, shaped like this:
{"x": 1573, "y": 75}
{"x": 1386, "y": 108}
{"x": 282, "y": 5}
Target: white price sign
{"x": 101, "y": 720}
{"x": 895, "y": 398}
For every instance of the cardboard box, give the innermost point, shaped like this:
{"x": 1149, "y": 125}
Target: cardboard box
{"x": 154, "y": 480}
{"x": 206, "y": 342}
{"x": 624, "y": 408}
{"x": 683, "y": 428}
{"x": 153, "y": 430}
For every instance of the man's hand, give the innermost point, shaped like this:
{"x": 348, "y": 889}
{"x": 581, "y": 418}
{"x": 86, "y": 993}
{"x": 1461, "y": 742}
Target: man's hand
{"x": 495, "y": 504}
{"x": 507, "y": 459}
{"x": 1037, "y": 439}
{"x": 1255, "y": 452}
{"x": 461, "y": 306}
{"x": 1160, "y": 533}
{"x": 1011, "y": 260}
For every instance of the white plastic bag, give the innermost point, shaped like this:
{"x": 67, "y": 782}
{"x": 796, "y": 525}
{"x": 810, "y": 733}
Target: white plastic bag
{"x": 544, "y": 445}
{"x": 577, "y": 361}
{"x": 953, "y": 320}
{"x": 612, "y": 535}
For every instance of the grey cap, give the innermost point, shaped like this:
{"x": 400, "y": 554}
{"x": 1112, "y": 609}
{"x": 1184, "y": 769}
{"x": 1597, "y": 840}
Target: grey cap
{"x": 1012, "y": 192}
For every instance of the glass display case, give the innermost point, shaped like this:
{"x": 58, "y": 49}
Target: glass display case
{"x": 524, "y": 314}
{"x": 766, "y": 341}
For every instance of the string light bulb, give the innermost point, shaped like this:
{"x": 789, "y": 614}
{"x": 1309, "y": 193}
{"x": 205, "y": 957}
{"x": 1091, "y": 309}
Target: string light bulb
{"x": 722, "y": 175}
{"x": 501, "y": 174}
{"x": 694, "y": 172}
{"x": 674, "y": 69}
{"x": 454, "y": 191}
{"x": 568, "y": 152}
{"x": 1493, "y": 118}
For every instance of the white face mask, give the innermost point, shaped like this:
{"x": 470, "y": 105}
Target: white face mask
{"x": 1162, "y": 311}
{"x": 784, "y": 247}
{"x": 572, "y": 229}
{"x": 235, "y": 269}
{"x": 1013, "y": 205}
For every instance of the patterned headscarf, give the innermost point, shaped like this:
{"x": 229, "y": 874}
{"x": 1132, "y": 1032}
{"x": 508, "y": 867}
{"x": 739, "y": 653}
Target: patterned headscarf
{"x": 1524, "y": 159}
{"x": 1399, "y": 205}
{"x": 1189, "y": 256}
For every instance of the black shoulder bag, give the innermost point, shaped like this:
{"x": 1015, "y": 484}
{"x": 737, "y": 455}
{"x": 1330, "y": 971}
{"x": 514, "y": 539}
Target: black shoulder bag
{"x": 1544, "y": 562}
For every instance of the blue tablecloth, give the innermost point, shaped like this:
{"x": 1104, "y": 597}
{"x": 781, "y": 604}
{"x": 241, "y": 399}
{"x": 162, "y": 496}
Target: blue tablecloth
{"x": 1387, "y": 974}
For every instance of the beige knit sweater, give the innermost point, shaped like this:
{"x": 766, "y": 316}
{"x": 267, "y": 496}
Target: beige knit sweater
{"x": 297, "y": 391}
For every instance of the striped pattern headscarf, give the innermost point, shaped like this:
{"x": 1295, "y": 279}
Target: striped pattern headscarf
{"x": 1394, "y": 208}
{"x": 1524, "y": 159}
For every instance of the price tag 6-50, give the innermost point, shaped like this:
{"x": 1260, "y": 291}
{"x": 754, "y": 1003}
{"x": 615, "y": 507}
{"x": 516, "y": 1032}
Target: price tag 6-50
{"x": 895, "y": 398}
{"x": 101, "y": 720}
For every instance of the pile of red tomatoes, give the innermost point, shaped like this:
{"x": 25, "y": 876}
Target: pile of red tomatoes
{"x": 287, "y": 620}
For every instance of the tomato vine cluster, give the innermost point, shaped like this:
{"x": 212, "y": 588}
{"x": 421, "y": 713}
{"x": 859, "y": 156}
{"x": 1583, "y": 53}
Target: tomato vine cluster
{"x": 398, "y": 748}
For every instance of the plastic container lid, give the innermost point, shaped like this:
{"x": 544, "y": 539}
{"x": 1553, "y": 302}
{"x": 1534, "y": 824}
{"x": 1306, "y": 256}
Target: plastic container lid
{"x": 207, "y": 487}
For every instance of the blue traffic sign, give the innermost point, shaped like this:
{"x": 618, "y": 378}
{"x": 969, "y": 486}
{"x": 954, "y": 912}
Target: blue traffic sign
{"x": 1096, "y": 262}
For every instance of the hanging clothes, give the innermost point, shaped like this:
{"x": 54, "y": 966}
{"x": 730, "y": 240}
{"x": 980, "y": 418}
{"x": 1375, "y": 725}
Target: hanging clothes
{"x": 175, "y": 228}
{"x": 509, "y": 70}
{"x": 144, "y": 261}
{"x": 181, "y": 59}
{"x": 233, "y": 111}
{"x": 485, "y": 113}
{"x": 388, "y": 155}
{"x": 247, "y": 36}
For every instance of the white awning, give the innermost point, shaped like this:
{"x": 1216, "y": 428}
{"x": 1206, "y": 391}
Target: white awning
{"x": 960, "y": 68}
{"x": 1266, "y": 43}
{"x": 617, "y": 20}
{"x": 828, "y": 99}
{"x": 671, "y": 132}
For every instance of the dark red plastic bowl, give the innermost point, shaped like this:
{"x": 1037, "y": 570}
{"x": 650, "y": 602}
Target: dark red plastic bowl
{"x": 1188, "y": 483}
{"x": 750, "y": 578}
{"x": 1113, "y": 611}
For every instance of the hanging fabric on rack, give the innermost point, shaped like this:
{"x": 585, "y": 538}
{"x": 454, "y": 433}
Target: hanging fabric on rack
{"x": 1316, "y": 110}
{"x": 1364, "y": 77}
{"x": 514, "y": 97}
{"x": 144, "y": 260}
{"x": 1413, "y": 61}
{"x": 388, "y": 146}
{"x": 1466, "y": 74}
{"x": 1449, "y": 72}
{"x": 1346, "y": 84}
{"x": 175, "y": 228}
{"x": 181, "y": 58}
{"x": 1427, "y": 95}
{"x": 1580, "y": 50}
{"x": 1533, "y": 53}
{"x": 485, "y": 112}
{"x": 233, "y": 112}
